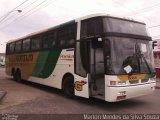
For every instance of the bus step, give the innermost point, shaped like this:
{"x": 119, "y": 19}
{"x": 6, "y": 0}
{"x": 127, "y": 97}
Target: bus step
{"x": 100, "y": 94}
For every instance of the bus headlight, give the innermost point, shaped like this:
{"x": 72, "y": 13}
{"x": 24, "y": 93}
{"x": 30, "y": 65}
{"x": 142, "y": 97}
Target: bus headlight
{"x": 121, "y": 93}
{"x": 121, "y": 82}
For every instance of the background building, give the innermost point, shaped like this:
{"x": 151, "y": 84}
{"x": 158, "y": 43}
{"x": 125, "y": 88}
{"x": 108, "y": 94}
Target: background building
{"x": 156, "y": 55}
{"x": 2, "y": 59}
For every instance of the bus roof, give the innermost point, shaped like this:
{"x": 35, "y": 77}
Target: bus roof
{"x": 75, "y": 20}
{"x": 108, "y": 15}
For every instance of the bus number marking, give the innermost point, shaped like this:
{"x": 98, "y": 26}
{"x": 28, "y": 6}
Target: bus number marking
{"x": 79, "y": 85}
{"x": 132, "y": 77}
{"x": 24, "y": 58}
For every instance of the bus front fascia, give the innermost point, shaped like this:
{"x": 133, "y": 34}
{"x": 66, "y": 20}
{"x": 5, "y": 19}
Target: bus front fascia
{"x": 82, "y": 83}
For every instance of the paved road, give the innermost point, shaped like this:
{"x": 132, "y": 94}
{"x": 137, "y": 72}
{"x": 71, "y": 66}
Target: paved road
{"x": 29, "y": 98}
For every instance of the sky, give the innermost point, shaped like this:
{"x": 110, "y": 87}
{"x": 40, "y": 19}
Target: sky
{"x": 41, "y": 14}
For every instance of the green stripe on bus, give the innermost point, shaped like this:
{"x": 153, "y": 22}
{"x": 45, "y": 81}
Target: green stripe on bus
{"x": 48, "y": 61}
{"x": 42, "y": 57}
{"x": 150, "y": 75}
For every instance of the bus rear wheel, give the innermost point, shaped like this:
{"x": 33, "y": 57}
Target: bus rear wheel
{"x": 17, "y": 76}
{"x": 68, "y": 86}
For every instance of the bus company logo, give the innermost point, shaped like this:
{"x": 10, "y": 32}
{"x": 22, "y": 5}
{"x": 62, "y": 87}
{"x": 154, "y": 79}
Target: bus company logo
{"x": 67, "y": 57}
{"x": 79, "y": 85}
{"x": 24, "y": 58}
{"x": 132, "y": 77}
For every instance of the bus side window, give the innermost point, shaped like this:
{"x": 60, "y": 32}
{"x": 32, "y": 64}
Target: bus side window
{"x": 18, "y": 46}
{"x": 36, "y": 43}
{"x": 7, "y": 48}
{"x": 67, "y": 35}
{"x": 11, "y": 47}
{"x": 26, "y": 45}
{"x": 45, "y": 42}
{"x": 52, "y": 39}
{"x": 49, "y": 40}
{"x": 91, "y": 27}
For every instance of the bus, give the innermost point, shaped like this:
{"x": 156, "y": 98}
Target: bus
{"x": 98, "y": 56}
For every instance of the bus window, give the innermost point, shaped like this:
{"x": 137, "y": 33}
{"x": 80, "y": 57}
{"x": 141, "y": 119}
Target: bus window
{"x": 18, "y": 46}
{"x": 67, "y": 35}
{"x": 97, "y": 57}
{"x": 91, "y": 27}
{"x": 81, "y": 59}
{"x": 36, "y": 43}
{"x": 26, "y": 45}
{"x": 7, "y": 49}
{"x": 11, "y": 47}
{"x": 49, "y": 39}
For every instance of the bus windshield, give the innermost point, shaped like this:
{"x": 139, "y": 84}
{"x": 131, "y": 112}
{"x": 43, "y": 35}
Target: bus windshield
{"x": 129, "y": 56}
{"x": 124, "y": 26}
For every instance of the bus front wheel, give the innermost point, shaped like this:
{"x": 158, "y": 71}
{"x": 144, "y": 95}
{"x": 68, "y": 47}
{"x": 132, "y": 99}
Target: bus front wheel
{"x": 68, "y": 86}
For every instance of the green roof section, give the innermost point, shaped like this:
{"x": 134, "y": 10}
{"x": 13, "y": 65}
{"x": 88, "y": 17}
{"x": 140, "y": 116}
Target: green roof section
{"x": 40, "y": 63}
{"x": 61, "y": 25}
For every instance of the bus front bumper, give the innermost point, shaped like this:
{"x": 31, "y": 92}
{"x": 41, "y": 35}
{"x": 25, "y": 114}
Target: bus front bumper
{"x": 119, "y": 93}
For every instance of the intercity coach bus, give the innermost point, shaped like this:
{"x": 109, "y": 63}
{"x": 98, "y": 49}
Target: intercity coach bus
{"x": 99, "y": 56}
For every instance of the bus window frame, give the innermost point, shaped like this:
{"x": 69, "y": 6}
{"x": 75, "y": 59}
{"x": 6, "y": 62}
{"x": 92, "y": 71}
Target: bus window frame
{"x": 7, "y": 48}
{"x": 10, "y": 51}
{"x": 65, "y": 28}
{"x": 20, "y": 50}
{"x": 87, "y": 70}
{"x": 47, "y": 35}
{"x": 28, "y": 50}
{"x": 40, "y": 44}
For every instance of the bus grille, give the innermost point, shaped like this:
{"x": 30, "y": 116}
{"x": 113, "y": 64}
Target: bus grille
{"x": 133, "y": 81}
{"x": 144, "y": 80}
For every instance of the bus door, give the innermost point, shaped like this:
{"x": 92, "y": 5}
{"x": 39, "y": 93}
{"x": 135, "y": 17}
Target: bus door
{"x": 81, "y": 68}
{"x": 89, "y": 68}
{"x": 97, "y": 74}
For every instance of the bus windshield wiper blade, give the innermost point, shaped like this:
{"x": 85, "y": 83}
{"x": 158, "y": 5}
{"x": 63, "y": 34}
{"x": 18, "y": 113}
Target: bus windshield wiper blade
{"x": 140, "y": 56}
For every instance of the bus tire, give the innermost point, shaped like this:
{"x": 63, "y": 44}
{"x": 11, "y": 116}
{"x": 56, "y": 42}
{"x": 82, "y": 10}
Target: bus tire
{"x": 18, "y": 76}
{"x": 13, "y": 73}
{"x": 68, "y": 86}
{"x": 14, "y": 76}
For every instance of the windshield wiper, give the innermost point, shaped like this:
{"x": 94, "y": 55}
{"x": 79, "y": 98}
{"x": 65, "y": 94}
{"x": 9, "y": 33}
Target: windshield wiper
{"x": 140, "y": 56}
